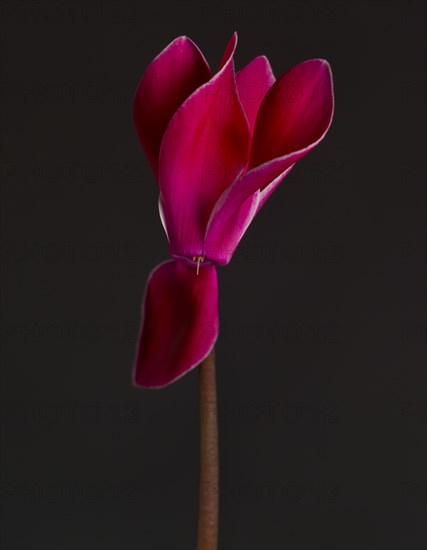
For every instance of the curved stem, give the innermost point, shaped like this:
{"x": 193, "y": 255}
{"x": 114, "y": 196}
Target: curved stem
{"x": 207, "y": 537}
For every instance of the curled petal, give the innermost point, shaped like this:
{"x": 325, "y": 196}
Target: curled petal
{"x": 204, "y": 149}
{"x": 179, "y": 325}
{"x": 238, "y": 206}
{"x": 166, "y": 83}
{"x": 253, "y": 82}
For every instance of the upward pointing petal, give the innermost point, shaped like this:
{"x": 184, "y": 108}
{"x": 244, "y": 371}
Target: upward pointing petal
{"x": 166, "y": 83}
{"x": 229, "y": 51}
{"x": 295, "y": 113}
{"x": 253, "y": 82}
{"x": 293, "y": 118}
{"x": 204, "y": 149}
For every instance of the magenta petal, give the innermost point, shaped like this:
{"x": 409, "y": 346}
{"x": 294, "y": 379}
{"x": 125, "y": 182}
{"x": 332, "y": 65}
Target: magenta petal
{"x": 295, "y": 113}
{"x": 293, "y": 118}
{"x": 238, "y": 206}
{"x": 166, "y": 83}
{"x": 204, "y": 149}
{"x": 229, "y": 221}
{"x": 272, "y": 186}
{"x": 179, "y": 325}
{"x": 253, "y": 82}
{"x": 229, "y": 51}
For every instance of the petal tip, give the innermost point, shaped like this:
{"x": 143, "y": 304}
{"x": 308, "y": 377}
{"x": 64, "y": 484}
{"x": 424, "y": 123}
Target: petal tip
{"x": 265, "y": 59}
{"x": 229, "y": 51}
{"x": 142, "y": 384}
{"x": 326, "y": 64}
{"x": 320, "y": 62}
{"x": 234, "y": 39}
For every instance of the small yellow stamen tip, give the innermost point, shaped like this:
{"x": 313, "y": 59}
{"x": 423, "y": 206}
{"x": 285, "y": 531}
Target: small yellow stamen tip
{"x": 199, "y": 259}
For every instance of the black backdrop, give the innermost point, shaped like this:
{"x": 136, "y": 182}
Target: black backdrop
{"x": 321, "y": 352}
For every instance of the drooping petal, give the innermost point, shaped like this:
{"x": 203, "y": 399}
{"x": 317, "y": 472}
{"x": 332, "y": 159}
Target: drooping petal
{"x": 295, "y": 113}
{"x": 253, "y": 82}
{"x": 204, "y": 149}
{"x": 179, "y": 325}
{"x": 166, "y": 83}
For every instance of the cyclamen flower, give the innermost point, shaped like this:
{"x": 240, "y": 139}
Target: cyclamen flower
{"x": 218, "y": 147}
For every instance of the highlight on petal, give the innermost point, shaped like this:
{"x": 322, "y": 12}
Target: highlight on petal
{"x": 162, "y": 215}
{"x": 253, "y": 82}
{"x": 179, "y": 323}
{"x": 166, "y": 83}
{"x": 204, "y": 149}
{"x": 295, "y": 113}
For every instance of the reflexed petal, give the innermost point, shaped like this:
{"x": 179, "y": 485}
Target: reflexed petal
{"x": 253, "y": 82}
{"x": 295, "y": 113}
{"x": 204, "y": 149}
{"x": 179, "y": 325}
{"x": 166, "y": 83}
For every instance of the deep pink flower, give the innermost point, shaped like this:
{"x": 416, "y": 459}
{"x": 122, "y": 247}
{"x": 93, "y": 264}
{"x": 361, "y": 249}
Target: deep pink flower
{"x": 218, "y": 147}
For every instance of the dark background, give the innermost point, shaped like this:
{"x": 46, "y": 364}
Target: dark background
{"x": 321, "y": 352}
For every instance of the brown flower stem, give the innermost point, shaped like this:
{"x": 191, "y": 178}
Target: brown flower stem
{"x": 207, "y": 537}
